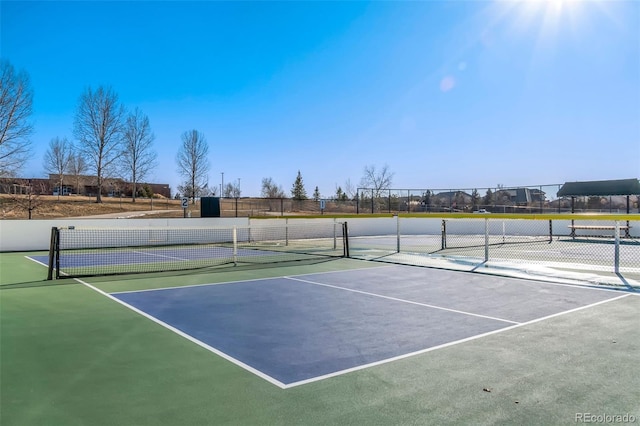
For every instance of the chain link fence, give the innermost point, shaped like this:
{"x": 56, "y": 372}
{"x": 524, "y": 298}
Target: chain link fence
{"x": 543, "y": 245}
{"x": 512, "y": 200}
{"x": 500, "y": 199}
{"x": 256, "y": 207}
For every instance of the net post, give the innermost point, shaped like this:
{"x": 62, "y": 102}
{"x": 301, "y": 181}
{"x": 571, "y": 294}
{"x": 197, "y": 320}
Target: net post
{"x": 345, "y": 239}
{"x": 235, "y": 245}
{"x": 286, "y": 231}
{"x": 53, "y": 254}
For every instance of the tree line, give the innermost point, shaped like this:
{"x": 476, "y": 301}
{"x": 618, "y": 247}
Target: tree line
{"x": 111, "y": 141}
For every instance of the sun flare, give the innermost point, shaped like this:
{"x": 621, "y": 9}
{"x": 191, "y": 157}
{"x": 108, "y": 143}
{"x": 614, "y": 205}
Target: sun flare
{"x": 546, "y": 17}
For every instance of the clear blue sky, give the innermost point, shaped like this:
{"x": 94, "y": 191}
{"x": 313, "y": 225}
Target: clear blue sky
{"x": 448, "y": 94}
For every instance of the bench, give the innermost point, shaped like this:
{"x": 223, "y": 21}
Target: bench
{"x": 624, "y": 228}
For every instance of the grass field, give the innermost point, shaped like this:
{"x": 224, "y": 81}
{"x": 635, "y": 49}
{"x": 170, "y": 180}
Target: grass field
{"x": 70, "y": 355}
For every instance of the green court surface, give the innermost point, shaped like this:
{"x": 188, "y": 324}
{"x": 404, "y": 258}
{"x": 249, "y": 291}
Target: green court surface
{"x": 71, "y": 355}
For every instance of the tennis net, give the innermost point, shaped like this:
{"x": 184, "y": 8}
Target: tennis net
{"x": 78, "y": 252}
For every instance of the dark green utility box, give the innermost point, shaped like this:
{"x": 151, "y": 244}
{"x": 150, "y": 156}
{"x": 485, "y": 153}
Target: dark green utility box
{"x": 210, "y": 207}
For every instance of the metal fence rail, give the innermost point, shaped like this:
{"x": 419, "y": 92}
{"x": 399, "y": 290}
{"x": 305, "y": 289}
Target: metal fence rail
{"x": 603, "y": 245}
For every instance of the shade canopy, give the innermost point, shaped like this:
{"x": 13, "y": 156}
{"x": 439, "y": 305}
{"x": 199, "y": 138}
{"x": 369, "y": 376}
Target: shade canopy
{"x": 600, "y": 188}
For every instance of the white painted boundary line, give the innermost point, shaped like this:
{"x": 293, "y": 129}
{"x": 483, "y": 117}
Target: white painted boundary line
{"x": 188, "y": 337}
{"x": 159, "y": 255}
{"x": 341, "y": 372}
{"x": 403, "y": 300}
{"x": 247, "y": 280}
{"x": 37, "y": 261}
{"x": 445, "y": 345}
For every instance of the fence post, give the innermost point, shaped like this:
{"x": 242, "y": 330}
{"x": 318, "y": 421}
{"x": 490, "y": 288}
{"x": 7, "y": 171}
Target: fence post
{"x": 616, "y": 259}
{"x": 397, "y": 233}
{"x": 443, "y": 232}
{"x": 486, "y": 239}
{"x": 372, "y": 202}
{"x": 235, "y": 245}
{"x": 335, "y": 236}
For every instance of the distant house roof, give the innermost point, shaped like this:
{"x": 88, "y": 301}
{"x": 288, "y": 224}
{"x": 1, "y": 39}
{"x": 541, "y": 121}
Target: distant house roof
{"x": 600, "y": 187}
{"x": 451, "y": 194}
{"x": 517, "y": 195}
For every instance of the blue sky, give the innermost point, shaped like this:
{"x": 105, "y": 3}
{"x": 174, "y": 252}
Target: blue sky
{"x": 448, "y": 94}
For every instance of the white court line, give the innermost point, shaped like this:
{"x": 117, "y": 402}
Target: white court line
{"x": 445, "y": 345}
{"x": 404, "y": 300}
{"x": 336, "y": 373}
{"x": 247, "y": 280}
{"x": 37, "y": 261}
{"x": 188, "y": 337}
{"x": 158, "y": 255}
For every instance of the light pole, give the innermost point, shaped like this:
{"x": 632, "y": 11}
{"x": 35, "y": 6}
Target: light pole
{"x": 239, "y": 192}
{"x": 222, "y": 185}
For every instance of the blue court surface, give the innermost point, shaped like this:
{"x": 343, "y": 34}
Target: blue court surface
{"x": 297, "y": 329}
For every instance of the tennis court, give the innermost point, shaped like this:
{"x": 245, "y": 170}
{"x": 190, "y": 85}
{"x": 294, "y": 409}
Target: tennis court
{"x": 305, "y": 338}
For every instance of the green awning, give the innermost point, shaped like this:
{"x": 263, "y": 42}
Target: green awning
{"x": 600, "y": 188}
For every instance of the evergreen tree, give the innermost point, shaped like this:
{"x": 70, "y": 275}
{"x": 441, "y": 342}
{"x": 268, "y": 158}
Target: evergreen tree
{"x": 488, "y": 198}
{"x": 475, "y": 198}
{"x": 426, "y": 200}
{"x": 316, "y": 194}
{"x": 297, "y": 191}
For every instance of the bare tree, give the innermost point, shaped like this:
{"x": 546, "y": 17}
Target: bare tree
{"x": 57, "y": 160}
{"x": 98, "y": 128}
{"x": 16, "y": 98}
{"x": 231, "y": 190}
{"x": 376, "y": 180}
{"x": 271, "y": 190}
{"x": 28, "y": 200}
{"x": 137, "y": 156}
{"x": 77, "y": 168}
{"x": 350, "y": 190}
{"x": 193, "y": 163}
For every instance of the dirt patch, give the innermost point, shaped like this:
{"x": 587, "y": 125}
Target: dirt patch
{"x": 51, "y": 207}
